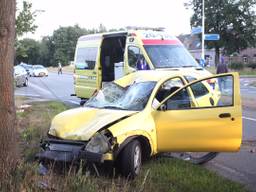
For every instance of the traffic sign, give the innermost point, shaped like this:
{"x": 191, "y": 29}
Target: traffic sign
{"x": 211, "y": 37}
{"x": 196, "y": 30}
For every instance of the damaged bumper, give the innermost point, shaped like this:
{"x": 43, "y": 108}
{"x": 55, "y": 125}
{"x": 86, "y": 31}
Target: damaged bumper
{"x": 68, "y": 151}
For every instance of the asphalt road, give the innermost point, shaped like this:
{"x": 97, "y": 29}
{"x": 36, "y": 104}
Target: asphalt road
{"x": 240, "y": 166}
{"x": 53, "y": 87}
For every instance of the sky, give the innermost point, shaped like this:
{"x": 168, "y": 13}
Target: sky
{"x": 170, "y": 14}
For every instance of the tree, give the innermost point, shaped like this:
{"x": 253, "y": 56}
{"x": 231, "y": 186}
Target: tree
{"x": 7, "y": 110}
{"x": 28, "y": 51}
{"x": 63, "y": 42}
{"x": 234, "y": 20}
{"x": 25, "y": 20}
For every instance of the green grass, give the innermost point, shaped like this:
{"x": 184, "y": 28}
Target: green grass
{"x": 158, "y": 174}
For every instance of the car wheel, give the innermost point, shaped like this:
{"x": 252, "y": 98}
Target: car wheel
{"x": 131, "y": 159}
{"x": 25, "y": 84}
{"x": 16, "y": 84}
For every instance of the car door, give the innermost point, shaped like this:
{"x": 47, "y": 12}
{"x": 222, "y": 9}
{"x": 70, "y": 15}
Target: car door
{"x": 17, "y": 75}
{"x": 184, "y": 124}
{"x": 86, "y": 69}
{"x": 23, "y": 76}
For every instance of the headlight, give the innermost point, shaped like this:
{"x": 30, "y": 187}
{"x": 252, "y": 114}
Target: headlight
{"x": 98, "y": 144}
{"x": 52, "y": 132}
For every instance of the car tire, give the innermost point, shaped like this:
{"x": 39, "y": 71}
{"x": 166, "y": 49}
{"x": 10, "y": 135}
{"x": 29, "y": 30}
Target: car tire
{"x": 25, "y": 84}
{"x": 16, "y": 84}
{"x": 131, "y": 159}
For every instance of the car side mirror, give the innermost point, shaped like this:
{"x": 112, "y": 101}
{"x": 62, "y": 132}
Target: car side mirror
{"x": 162, "y": 107}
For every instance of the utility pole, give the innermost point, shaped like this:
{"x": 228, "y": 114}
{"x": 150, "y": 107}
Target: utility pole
{"x": 203, "y": 19}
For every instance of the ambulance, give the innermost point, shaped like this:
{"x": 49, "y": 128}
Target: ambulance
{"x": 101, "y": 58}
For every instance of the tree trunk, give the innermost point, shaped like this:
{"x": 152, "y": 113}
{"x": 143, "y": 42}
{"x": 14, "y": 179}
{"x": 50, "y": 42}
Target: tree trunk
{"x": 8, "y": 152}
{"x": 217, "y": 55}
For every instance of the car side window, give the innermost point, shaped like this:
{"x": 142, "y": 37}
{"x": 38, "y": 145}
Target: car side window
{"x": 199, "y": 89}
{"x": 213, "y": 92}
{"x": 180, "y": 100}
{"x": 133, "y": 55}
{"x": 166, "y": 89}
{"x": 86, "y": 58}
{"x": 136, "y": 59}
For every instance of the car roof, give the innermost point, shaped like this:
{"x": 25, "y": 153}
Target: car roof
{"x": 141, "y": 33}
{"x": 158, "y": 75}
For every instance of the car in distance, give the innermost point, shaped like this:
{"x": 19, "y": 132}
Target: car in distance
{"x": 20, "y": 76}
{"x": 28, "y": 67}
{"x": 39, "y": 71}
{"x": 146, "y": 113}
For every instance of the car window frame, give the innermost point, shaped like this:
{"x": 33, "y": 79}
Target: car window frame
{"x": 183, "y": 80}
{"x": 190, "y": 92}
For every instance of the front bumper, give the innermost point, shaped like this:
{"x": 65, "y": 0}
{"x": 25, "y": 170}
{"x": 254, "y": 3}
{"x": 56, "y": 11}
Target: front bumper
{"x": 67, "y": 151}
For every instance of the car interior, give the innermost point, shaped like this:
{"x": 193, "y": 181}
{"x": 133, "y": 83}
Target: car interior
{"x": 180, "y": 100}
{"x": 112, "y": 51}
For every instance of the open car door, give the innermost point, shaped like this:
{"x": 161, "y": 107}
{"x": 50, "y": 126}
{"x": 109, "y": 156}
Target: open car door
{"x": 201, "y": 117}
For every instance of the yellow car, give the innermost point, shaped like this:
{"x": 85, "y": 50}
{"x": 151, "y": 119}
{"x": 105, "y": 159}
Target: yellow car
{"x": 146, "y": 113}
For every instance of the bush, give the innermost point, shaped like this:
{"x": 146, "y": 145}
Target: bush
{"x": 252, "y": 65}
{"x": 236, "y": 66}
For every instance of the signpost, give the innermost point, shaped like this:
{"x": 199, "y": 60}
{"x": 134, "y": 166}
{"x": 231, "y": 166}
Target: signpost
{"x": 211, "y": 37}
{"x": 196, "y": 30}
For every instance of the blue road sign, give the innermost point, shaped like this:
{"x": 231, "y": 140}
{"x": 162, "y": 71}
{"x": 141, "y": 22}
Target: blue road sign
{"x": 211, "y": 37}
{"x": 196, "y": 30}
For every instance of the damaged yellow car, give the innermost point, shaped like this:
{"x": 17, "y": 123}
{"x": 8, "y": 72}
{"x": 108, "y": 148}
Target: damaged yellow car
{"x": 146, "y": 113}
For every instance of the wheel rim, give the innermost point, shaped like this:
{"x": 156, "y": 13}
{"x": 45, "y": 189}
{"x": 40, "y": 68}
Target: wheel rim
{"x": 137, "y": 159}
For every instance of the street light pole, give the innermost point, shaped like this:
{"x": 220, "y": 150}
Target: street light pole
{"x": 203, "y": 18}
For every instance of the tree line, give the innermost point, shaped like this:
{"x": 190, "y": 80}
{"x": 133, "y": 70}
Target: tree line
{"x": 59, "y": 47}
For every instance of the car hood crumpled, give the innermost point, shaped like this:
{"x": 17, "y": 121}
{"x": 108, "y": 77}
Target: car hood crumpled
{"x": 82, "y": 123}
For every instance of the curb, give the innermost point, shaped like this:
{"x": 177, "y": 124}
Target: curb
{"x": 247, "y": 76}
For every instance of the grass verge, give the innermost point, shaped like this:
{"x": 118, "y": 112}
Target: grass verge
{"x": 158, "y": 174}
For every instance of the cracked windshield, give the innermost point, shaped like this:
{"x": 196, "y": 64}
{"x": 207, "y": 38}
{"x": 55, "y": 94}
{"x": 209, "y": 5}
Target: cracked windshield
{"x": 113, "y": 96}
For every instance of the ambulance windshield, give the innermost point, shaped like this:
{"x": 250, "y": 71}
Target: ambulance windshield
{"x": 170, "y": 56}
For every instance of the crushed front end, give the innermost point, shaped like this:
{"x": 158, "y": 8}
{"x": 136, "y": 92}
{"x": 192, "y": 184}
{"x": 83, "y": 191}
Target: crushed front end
{"x": 97, "y": 149}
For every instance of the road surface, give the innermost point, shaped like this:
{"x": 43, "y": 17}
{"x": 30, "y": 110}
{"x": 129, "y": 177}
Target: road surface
{"x": 239, "y": 166}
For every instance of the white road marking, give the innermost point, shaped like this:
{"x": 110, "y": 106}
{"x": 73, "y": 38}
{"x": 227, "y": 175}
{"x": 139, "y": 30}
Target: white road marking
{"x": 248, "y": 118}
{"x": 74, "y": 102}
{"x": 40, "y": 89}
{"x": 28, "y": 95}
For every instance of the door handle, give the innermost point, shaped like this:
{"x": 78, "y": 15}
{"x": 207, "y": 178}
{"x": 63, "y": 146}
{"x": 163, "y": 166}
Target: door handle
{"x": 224, "y": 115}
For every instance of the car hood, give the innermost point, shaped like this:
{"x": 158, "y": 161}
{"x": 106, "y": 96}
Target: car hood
{"x": 83, "y": 123}
{"x": 40, "y": 70}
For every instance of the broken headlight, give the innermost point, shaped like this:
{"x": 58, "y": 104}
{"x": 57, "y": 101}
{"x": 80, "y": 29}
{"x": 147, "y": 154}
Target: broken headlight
{"x": 99, "y": 143}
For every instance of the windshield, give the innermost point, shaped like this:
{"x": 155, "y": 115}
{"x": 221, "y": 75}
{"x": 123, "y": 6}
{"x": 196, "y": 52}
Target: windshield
{"x": 113, "y": 96}
{"x": 170, "y": 56}
{"x": 38, "y": 67}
